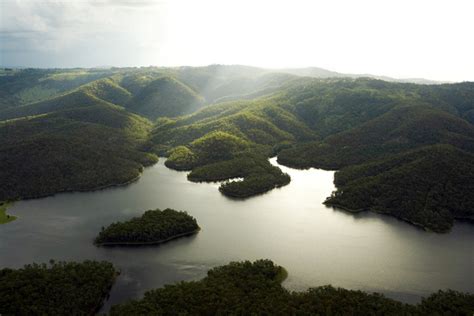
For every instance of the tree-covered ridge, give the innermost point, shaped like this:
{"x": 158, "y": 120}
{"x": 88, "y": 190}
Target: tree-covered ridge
{"x": 165, "y": 96}
{"x": 153, "y": 227}
{"x": 210, "y": 148}
{"x": 246, "y": 288}
{"x": 78, "y": 149}
{"x": 429, "y": 187}
{"x": 398, "y": 130}
{"x": 259, "y": 176}
{"x": 72, "y": 100}
{"x": 161, "y": 97}
{"x": 23, "y": 86}
{"x": 310, "y": 109}
{"x": 260, "y": 121}
{"x": 220, "y": 156}
{"x": 57, "y": 289}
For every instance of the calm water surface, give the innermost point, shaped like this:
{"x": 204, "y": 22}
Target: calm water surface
{"x": 318, "y": 245}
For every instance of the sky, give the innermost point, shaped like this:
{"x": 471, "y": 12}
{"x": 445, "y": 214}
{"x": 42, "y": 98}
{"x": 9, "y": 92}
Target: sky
{"x": 429, "y": 39}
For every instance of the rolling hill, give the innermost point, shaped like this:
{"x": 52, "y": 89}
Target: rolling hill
{"x": 164, "y": 96}
{"x": 23, "y": 86}
{"x": 77, "y": 149}
{"x": 75, "y": 99}
{"x": 398, "y": 130}
{"x": 429, "y": 187}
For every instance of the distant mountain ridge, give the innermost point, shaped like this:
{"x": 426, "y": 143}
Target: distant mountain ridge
{"x": 317, "y": 72}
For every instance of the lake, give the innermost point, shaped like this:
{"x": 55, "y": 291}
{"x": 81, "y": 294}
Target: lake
{"x": 318, "y": 245}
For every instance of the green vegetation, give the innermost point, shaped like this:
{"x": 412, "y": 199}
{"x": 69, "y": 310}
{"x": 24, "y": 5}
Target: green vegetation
{"x": 246, "y": 288}
{"x": 58, "y": 289}
{"x": 181, "y": 158}
{"x": 72, "y": 100}
{"x": 165, "y": 96}
{"x": 258, "y": 175}
{"x": 220, "y": 156}
{"x": 25, "y": 86}
{"x": 213, "y": 147}
{"x": 4, "y": 217}
{"x": 429, "y": 187}
{"x": 243, "y": 288}
{"x": 153, "y": 227}
{"x": 71, "y": 150}
{"x": 329, "y": 123}
{"x": 398, "y": 130}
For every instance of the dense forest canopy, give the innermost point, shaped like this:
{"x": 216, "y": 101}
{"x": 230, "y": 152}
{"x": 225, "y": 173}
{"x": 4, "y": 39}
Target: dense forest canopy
{"x": 153, "y": 227}
{"x": 71, "y": 150}
{"x": 429, "y": 187}
{"x": 243, "y": 288}
{"x": 254, "y": 288}
{"x": 60, "y": 288}
{"x": 80, "y": 129}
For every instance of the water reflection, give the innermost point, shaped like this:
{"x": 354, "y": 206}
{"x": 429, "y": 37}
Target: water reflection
{"x": 290, "y": 225}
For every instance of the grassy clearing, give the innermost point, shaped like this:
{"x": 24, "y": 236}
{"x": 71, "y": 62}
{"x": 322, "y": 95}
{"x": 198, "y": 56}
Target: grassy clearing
{"x": 4, "y": 217}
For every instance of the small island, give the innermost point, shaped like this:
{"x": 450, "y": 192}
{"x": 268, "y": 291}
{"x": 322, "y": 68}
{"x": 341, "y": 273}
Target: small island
{"x": 153, "y": 227}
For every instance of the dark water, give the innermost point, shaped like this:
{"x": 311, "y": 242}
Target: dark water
{"x": 317, "y": 245}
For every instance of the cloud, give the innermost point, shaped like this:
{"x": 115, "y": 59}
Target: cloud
{"x": 61, "y": 33}
{"x": 399, "y": 38}
{"x": 128, "y": 3}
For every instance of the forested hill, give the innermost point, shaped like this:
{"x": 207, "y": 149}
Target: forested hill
{"x": 429, "y": 187}
{"x": 336, "y": 123}
{"x": 74, "y": 149}
{"x": 80, "y": 129}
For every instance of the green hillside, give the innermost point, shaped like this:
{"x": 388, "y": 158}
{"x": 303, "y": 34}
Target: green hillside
{"x": 75, "y": 99}
{"x": 398, "y": 130}
{"x": 20, "y": 87}
{"x": 212, "y": 147}
{"x": 218, "y": 83}
{"x": 429, "y": 187}
{"x": 220, "y": 156}
{"x": 108, "y": 90}
{"x": 258, "y": 175}
{"x": 165, "y": 96}
{"x": 71, "y": 150}
{"x": 259, "y": 121}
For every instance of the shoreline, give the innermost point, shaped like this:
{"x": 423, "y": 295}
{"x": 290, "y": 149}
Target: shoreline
{"x": 147, "y": 243}
{"x": 93, "y": 189}
{"x": 357, "y": 211}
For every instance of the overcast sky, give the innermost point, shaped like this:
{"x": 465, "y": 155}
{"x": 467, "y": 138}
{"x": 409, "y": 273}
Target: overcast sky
{"x": 431, "y": 39}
